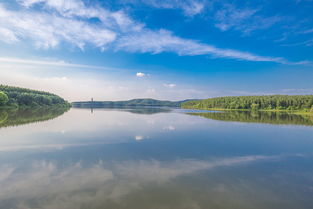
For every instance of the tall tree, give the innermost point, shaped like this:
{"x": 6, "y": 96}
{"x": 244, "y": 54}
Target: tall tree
{"x": 3, "y": 98}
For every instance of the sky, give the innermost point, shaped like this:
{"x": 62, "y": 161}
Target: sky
{"x": 169, "y": 49}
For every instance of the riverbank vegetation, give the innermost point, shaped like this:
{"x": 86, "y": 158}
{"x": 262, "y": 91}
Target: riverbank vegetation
{"x": 14, "y": 97}
{"x": 295, "y": 103}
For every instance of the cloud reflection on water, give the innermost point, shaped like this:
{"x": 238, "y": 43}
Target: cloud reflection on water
{"x": 47, "y": 184}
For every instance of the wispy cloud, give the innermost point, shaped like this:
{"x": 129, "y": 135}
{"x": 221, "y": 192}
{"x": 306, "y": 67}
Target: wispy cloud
{"x": 226, "y": 14}
{"x": 306, "y": 31}
{"x": 46, "y": 63}
{"x": 164, "y": 41}
{"x": 229, "y": 16}
{"x": 244, "y": 19}
{"x": 188, "y": 7}
{"x": 302, "y": 43}
{"x": 59, "y": 22}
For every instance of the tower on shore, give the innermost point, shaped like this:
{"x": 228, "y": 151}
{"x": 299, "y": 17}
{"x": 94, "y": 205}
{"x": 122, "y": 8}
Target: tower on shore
{"x": 91, "y": 105}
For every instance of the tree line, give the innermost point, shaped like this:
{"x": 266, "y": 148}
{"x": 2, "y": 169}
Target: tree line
{"x": 22, "y": 97}
{"x": 269, "y": 102}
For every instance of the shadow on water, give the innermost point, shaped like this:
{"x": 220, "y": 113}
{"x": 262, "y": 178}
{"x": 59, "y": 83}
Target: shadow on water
{"x": 14, "y": 117}
{"x": 259, "y": 117}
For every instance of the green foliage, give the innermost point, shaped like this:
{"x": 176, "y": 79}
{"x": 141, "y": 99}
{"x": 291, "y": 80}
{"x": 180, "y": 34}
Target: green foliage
{"x": 21, "y": 97}
{"x": 254, "y": 106}
{"x": 3, "y": 98}
{"x": 271, "y": 102}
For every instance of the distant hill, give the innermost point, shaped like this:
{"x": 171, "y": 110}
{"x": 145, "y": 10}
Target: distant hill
{"x": 22, "y": 97}
{"x": 129, "y": 103}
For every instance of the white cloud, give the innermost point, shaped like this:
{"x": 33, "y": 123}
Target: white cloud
{"x": 7, "y": 35}
{"x": 77, "y": 8}
{"x": 164, "y": 41}
{"x": 169, "y": 85}
{"x": 61, "y": 21}
{"x": 49, "y": 31}
{"x": 140, "y": 75}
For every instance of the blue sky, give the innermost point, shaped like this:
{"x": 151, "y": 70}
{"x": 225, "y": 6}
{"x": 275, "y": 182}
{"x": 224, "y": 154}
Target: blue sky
{"x": 170, "y": 49}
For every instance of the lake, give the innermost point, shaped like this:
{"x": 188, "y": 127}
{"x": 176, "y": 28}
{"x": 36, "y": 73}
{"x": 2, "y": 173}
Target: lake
{"x": 155, "y": 158}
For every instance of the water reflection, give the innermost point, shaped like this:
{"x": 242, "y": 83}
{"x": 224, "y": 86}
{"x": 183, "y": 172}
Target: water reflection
{"x": 232, "y": 182}
{"x": 104, "y": 184}
{"x": 117, "y": 159}
{"x": 258, "y": 117}
{"x": 136, "y": 110}
{"x": 15, "y": 117}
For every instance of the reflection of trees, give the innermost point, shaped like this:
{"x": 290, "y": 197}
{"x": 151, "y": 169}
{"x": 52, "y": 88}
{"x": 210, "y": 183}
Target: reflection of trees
{"x": 135, "y": 110}
{"x": 12, "y": 117}
{"x": 259, "y": 117}
{"x": 147, "y": 111}
{"x": 3, "y": 116}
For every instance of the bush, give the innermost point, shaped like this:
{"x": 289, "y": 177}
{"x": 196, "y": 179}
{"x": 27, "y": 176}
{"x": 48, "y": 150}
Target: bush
{"x": 3, "y": 98}
{"x": 254, "y": 106}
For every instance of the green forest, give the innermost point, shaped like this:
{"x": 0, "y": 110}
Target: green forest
{"x": 22, "y": 98}
{"x": 270, "y": 102}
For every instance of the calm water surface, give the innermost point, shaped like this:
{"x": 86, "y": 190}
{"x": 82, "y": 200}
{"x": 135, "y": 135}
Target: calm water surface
{"x": 155, "y": 159}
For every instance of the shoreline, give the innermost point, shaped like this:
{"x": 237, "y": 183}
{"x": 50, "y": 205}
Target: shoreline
{"x": 297, "y": 112}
